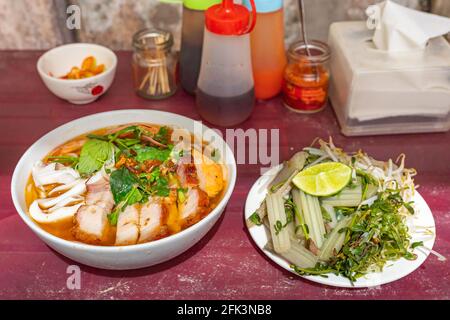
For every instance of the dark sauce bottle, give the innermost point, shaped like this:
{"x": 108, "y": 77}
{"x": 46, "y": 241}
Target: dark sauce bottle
{"x": 192, "y": 42}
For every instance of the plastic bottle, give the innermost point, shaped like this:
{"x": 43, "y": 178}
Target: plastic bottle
{"x": 268, "y": 52}
{"x": 225, "y": 94}
{"x": 192, "y": 41}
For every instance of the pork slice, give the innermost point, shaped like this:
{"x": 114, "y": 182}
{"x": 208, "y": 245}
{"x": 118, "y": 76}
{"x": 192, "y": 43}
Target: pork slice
{"x": 194, "y": 208}
{"x": 128, "y": 226}
{"x": 152, "y": 221}
{"x": 99, "y": 193}
{"x": 91, "y": 220}
{"x": 91, "y": 224}
{"x": 187, "y": 172}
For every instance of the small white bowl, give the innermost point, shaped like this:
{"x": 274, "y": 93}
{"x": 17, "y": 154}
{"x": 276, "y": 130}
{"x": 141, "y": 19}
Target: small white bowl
{"x": 58, "y": 61}
{"x": 123, "y": 257}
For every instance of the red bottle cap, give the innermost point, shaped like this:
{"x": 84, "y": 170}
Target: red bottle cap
{"x": 229, "y": 18}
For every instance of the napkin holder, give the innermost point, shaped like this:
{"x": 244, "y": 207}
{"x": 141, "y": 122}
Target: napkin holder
{"x": 378, "y": 92}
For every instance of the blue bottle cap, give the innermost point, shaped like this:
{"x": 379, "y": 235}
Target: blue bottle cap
{"x": 264, "y": 6}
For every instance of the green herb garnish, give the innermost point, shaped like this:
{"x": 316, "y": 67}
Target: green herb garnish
{"x": 256, "y": 219}
{"x": 376, "y": 234}
{"x": 122, "y": 182}
{"x": 93, "y": 156}
{"x": 151, "y": 153}
{"x": 416, "y": 244}
{"x": 66, "y": 160}
{"x": 125, "y": 189}
{"x": 181, "y": 194}
{"x": 162, "y": 135}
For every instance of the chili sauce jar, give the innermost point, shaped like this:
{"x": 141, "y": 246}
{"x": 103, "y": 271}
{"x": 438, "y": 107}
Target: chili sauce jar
{"x": 306, "y": 77}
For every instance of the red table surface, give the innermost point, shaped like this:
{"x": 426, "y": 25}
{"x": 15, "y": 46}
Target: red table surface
{"x": 225, "y": 264}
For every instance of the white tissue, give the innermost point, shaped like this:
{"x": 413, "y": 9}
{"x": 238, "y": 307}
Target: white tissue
{"x": 400, "y": 29}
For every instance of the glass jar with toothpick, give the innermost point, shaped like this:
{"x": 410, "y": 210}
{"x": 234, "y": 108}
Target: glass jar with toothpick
{"x": 154, "y": 64}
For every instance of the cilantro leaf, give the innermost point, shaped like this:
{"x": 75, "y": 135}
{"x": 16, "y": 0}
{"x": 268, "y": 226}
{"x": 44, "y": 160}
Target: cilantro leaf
{"x": 159, "y": 184}
{"x": 162, "y": 135}
{"x": 416, "y": 244}
{"x": 161, "y": 187}
{"x": 134, "y": 196}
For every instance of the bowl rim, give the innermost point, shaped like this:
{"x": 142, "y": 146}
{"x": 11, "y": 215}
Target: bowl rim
{"x": 78, "y": 44}
{"x": 46, "y": 236}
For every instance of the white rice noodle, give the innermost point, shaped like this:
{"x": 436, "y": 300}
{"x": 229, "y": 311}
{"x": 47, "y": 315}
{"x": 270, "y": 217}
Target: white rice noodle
{"x": 49, "y": 174}
{"x": 70, "y": 189}
{"x": 68, "y": 201}
{"x": 63, "y": 187}
{"x": 57, "y": 215}
{"x": 77, "y": 190}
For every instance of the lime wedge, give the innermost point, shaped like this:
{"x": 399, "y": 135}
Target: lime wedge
{"x": 323, "y": 179}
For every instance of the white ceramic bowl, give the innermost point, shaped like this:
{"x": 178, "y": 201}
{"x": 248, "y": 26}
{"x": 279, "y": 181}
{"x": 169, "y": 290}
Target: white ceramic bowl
{"x": 125, "y": 257}
{"x": 60, "y": 60}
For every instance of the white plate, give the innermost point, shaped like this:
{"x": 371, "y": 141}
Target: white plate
{"x": 392, "y": 271}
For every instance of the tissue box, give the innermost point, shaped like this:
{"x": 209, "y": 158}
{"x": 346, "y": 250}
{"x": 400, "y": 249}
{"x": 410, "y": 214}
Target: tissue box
{"x": 377, "y": 92}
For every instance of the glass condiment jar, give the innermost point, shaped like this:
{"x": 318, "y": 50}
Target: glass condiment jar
{"x": 306, "y": 77}
{"x": 154, "y": 64}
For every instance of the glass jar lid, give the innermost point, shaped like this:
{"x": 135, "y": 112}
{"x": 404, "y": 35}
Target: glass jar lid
{"x": 319, "y": 51}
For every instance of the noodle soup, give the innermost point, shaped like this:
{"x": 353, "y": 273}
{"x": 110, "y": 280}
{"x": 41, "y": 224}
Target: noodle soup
{"x": 125, "y": 185}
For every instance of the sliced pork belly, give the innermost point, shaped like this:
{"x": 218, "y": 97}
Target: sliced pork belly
{"x": 128, "y": 226}
{"x": 99, "y": 193}
{"x": 209, "y": 173}
{"x": 91, "y": 224}
{"x": 152, "y": 221}
{"x": 194, "y": 207}
{"x": 187, "y": 172}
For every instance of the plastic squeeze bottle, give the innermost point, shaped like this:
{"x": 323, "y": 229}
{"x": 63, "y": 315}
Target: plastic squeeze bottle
{"x": 225, "y": 93}
{"x": 268, "y": 52}
{"x": 192, "y": 41}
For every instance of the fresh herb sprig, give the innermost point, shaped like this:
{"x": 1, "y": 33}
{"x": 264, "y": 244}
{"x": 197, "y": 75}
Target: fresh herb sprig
{"x": 128, "y": 189}
{"x": 66, "y": 160}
